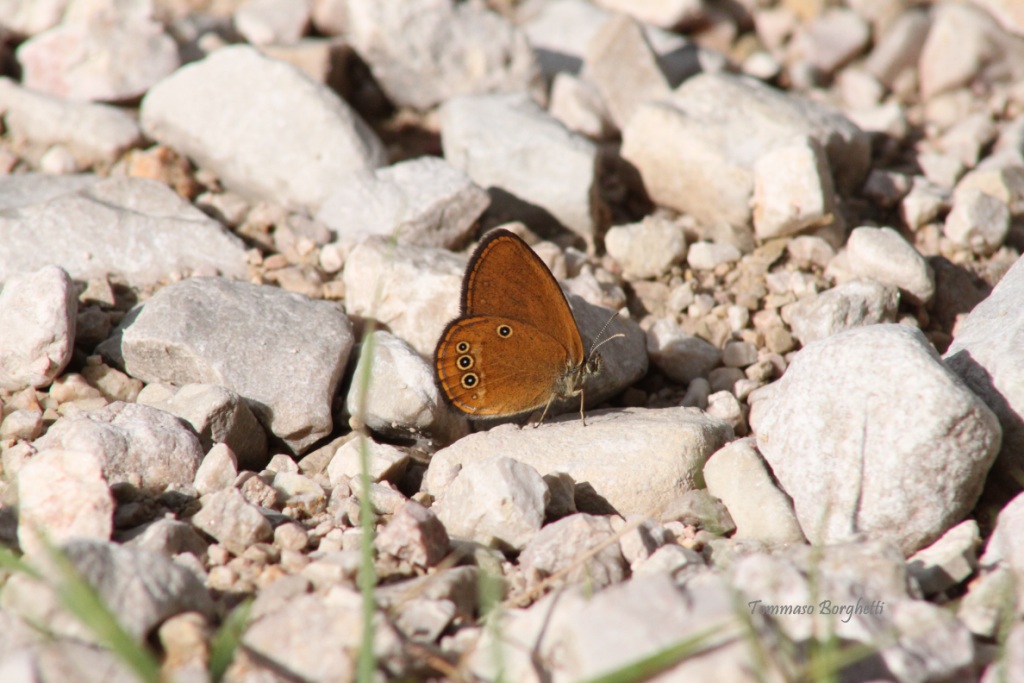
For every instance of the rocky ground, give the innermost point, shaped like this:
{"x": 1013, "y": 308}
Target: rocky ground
{"x": 232, "y": 232}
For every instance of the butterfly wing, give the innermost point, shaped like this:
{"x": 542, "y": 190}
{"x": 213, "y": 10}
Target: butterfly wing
{"x": 484, "y": 369}
{"x": 506, "y": 278}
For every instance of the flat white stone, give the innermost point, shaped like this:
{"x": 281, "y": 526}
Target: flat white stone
{"x": 299, "y": 141}
{"x": 668, "y": 448}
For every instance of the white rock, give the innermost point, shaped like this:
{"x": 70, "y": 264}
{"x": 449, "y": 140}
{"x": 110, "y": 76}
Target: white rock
{"x": 112, "y": 54}
{"x": 456, "y": 49}
{"x": 962, "y": 40}
{"x": 552, "y": 168}
{"x": 948, "y": 561}
{"x": 923, "y": 203}
{"x": 577, "y": 104}
{"x": 418, "y": 289}
{"x": 30, "y": 18}
{"x": 695, "y": 152}
{"x": 383, "y": 461}
{"x": 213, "y": 331}
{"x": 880, "y": 384}
{"x": 792, "y": 189}
{"x": 135, "y": 444}
{"x": 682, "y": 357}
{"x": 142, "y": 588}
{"x": 738, "y": 476}
{"x": 93, "y": 132}
{"x": 62, "y": 494}
{"x": 270, "y": 22}
{"x": 414, "y": 534}
{"x": 723, "y": 405}
{"x": 232, "y": 521}
{"x": 986, "y": 354}
{"x": 496, "y": 501}
{"x": 707, "y": 255}
{"x": 851, "y": 304}
{"x": 38, "y": 313}
{"x": 218, "y": 414}
{"x": 624, "y": 68}
{"x": 831, "y": 39}
{"x": 403, "y": 397}
{"x": 218, "y": 470}
{"x": 808, "y": 250}
{"x": 669, "y": 447}
{"x": 977, "y": 221}
{"x": 137, "y": 229}
{"x": 882, "y": 255}
{"x": 300, "y": 140}
{"x": 423, "y": 201}
{"x": 899, "y": 47}
{"x": 667, "y": 14}
{"x": 1005, "y": 183}
{"x": 561, "y": 545}
{"x": 646, "y": 249}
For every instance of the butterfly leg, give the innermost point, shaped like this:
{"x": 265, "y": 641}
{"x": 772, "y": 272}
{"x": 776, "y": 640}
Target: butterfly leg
{"x": 544, "y": 414}
{"x": 582, "y": 416}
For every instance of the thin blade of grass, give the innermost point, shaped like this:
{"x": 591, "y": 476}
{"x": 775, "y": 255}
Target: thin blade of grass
{"x": 80, "y": 599}
{"x": 666, "y": 658}
{"x": 225, "y": 642}
{"x": 367, "y": 577}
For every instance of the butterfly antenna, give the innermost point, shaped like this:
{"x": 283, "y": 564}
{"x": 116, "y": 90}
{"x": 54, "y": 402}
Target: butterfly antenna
{"x": 602, "y": 342}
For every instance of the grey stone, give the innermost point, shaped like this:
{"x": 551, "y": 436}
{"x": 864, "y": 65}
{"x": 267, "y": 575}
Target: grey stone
{"x": 986, "y": 354}
{"x": 682, "y": 357}
{"x": 135, "y": 444}
{"x": 402, "y": 398}
{"x": 624, "y": 68}
{"x": 218, "y": 470}
{"x": 961, "y": 40}
{"x": 899, "y": 47}
{"x": 646, "y": 249}
{"x": 851, "y": 304}
{"x": 428, "y": 66}
{"x": 299, "y": 141}
{"x": 696, "y": 151}
{"x": 38, "y": 314}
{"x": 232, "y": 521}
{"x": 668, "y": 447}
{"x": 142, "y": 588}
{"x": 132, "y": 228}
{"x": 881, "y": 254}
{"x": 128, "y": 53}
{"x": 219, "y": 415}
{"x": 792, "y": 189}
{"x": 977, "y": 221}
{"x": 496, "y": 501}
{"x": 269, "y": 22}
{"x": 213, "y": 331}
{"x": 168, "y": 537}
{"x": 560, "y": 548}
{"x": 882, "y": 384}
{"x": 93, "y": 133}
{"x": 948, "y": 561}
{"x": 62, "y": 495}
{"x": 553, "y": 169}
{"x": 738, "y": 476}
{"x": 384, "y": 461}
{"x": 414, "y": 534}
{"x": 423, "y": 201}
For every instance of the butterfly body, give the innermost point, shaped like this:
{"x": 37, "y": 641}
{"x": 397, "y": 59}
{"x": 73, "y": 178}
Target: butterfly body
{"x": 515, "y": 347}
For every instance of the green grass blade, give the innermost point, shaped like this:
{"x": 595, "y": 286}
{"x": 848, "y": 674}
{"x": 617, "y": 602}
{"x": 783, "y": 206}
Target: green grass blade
{"x": 664, "y": 659}
{"x": 367, "y": 578}
{"x": 82, "y": 601}
{"x": 225, "y": 642}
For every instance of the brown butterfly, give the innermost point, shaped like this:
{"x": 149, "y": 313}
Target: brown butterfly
{"x": 515, "y": 346}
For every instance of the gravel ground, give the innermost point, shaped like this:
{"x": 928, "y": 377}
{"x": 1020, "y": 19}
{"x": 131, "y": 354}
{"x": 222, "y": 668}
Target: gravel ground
{"x": 232, "y": 233}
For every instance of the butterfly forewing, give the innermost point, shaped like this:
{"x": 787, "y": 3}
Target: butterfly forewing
{"x": 506, "y": 278}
